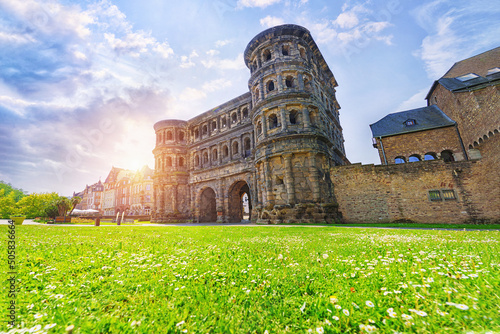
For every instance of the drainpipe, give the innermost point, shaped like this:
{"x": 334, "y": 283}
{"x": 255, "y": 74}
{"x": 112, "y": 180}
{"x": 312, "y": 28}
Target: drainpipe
{"x": 383, "y": 151}
{"x": 461, "y": 143}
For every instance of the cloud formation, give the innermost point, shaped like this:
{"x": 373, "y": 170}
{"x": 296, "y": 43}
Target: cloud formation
{"x": 446, "y": 39}
{"x": 72, "y": 81}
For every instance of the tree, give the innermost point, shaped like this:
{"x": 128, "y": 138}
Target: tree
{"x": 63, "y": 205}
{"x": 34, "y": 205}
{"x": 74, "y": 202}
{"x": 7, "y": 204}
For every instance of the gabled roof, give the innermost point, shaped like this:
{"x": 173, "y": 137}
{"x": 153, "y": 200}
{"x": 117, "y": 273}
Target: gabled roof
{"x": 425, "y": 118}
{"x": 479, "y": 65}
{"x": 457, "y": 85}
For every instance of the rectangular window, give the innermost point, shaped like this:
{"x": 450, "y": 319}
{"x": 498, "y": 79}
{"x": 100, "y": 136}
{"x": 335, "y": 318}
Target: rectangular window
{"x": 443, "y": 194}
{"x": 434, "y": 195}
{"x": 449, "y": 195}
{"x": 148, "y": 187}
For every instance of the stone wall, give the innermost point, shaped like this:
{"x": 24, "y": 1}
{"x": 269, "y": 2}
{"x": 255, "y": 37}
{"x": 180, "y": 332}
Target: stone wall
{"x": 369, "y": 193}
{"x": 420, "y": 143}
{"x": 476, "y": 112}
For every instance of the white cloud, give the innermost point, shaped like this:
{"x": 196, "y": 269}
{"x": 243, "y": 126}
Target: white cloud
{"x": 221, "y": 43}
{"x": 347, "y": 20}
{"x": 217, "y": 84}
{"x": 455, "y": 31}
{"x": 271, "y": 21}
{"x": 415, "y": 101}
{"x": 256, "y": 3}
{"x": 225, "y": 64}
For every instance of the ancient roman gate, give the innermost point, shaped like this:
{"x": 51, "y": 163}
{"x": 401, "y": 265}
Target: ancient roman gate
{"x": 273, "y": 145}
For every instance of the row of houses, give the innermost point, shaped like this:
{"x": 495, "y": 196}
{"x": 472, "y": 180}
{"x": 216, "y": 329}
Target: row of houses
{"x": 123, "y": 191}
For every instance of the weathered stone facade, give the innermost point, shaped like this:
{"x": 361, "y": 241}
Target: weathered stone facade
{"x": 275, "y": 143}
{"x": 281, "y": 144}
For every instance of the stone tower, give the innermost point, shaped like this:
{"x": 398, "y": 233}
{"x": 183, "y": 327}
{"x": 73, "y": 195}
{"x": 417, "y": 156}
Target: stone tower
{"x": 171, "y": 191}
{"x": 296, "y": 124}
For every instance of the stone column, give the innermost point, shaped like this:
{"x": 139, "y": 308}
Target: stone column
{"x": 219, "y": 153}
{"x": 261, "y": 90}
{"x": 241, "y": 150}
{"x": 280, "y": 83}
{"x": 284, "y": 123}
{"x": 289, "y": 181}
{"x": 264, "y": 125}
{"x": 314, "y": 177}
{"x": 300, "y": 80}
{"x": 307, "y": 119}
{"x": 174, "y": 198}
{"x": 268, "y": 183}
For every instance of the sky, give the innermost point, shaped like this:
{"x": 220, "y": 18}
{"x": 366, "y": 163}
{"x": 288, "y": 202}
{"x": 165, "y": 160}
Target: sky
{"x": 83, "y": 82}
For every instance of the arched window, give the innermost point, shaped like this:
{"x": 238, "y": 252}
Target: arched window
{"x": 215, "y": 155}
{"x": 196, "y": 160}
{"x": 289, "y": 81}
{"x": 225, "y": 151}
{"x": 235, "y": 148}
{"x": 254, "y": 65}
{"x": 234, "y": 118}
{"x": 270, "y": 86}
{"x": 430, "y": 156}
{"x": 285, "y": 50}
{"x": 308, "y": 86}
{"x": 181, "y": 136}
{"x": 205, "y": 157}
{"x": 169, "y": 161}
{"x": 414, "y": 158}
{"x": 302, "y": 53}
{"x": 447, "y": 156}
{"x": 245, "y": 112}
{"x": 257, "y": 94}
{"x": 169, "y": 135}
{"x": 181, "y": 162}
{"x": 204, "y": 130}
{"x": 223, "y": 121}
{"x": 273, "y": 121}
{"x": 294, "y": 117}
{"x": 267, "y": 55}
{"x": 259, "y": 128}
{"x": 247, "y": 146}
{"x": 196, "y": 133}
{"x": 214, "y": 125}
{"x": 400, "y": 160}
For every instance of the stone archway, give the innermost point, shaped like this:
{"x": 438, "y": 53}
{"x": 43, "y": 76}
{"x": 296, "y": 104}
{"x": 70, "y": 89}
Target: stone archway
{"x": 238, "y": 209}
{"x": 208, "y": 209}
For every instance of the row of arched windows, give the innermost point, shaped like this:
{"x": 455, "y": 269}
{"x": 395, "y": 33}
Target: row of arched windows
{"x": 445, "y": 155}
{"x": 169, "y": 135}
{"x": 211, "y": 156}
{"x": 165, "y": 162}
{"x": 216, "y": 124}
{"x": 289, "y": 81}
{"x": 274, "y": 120}
{"x": 284, "y": 50}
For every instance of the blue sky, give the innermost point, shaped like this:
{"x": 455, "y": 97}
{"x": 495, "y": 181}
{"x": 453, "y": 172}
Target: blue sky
{"x": 83, "y": 82}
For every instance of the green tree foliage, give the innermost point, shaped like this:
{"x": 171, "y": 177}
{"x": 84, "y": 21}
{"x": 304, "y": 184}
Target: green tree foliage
{"x": 34, "y": 205}
{"x": 8, "y": 188}
{"x": 7, "y": 204}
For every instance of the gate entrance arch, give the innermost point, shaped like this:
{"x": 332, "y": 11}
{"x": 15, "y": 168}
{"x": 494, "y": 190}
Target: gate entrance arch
{"x": 208, "y": 208}
{"x": 239, "y": 202}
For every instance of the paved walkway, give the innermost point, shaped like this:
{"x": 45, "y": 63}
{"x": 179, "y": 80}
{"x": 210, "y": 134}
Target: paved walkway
{"x": 248, "y": 223}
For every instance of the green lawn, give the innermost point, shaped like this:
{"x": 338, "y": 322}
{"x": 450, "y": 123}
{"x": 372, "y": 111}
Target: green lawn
{"x": 255, "y": 279}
